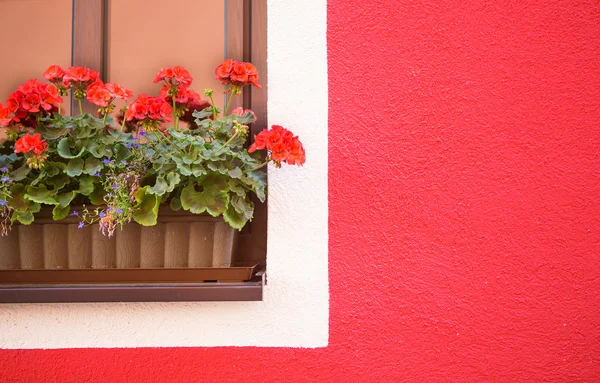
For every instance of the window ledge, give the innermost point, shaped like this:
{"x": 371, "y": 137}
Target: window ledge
{"x": 251, "y": 290}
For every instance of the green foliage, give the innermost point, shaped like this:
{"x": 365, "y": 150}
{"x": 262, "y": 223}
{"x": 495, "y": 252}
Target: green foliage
{"x": 205, "y": 170}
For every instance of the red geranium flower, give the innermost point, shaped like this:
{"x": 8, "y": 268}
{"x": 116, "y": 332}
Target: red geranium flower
{"x": 149, "y": 111}
{"x": 97, "y": 94}
{"x": 237, "y": 73}
{"x": 54, "y": 74}
{"x": 176, "y": 76}
{"x": 184, "y": 95}
{"x": 31, "y": 143}
{"x": 77, "y": 75}
{"x": 33, "y": 96}
{"x": 5, "y": 116}
{"x": 103, "y": 94}
{"x": 282, "y": 145}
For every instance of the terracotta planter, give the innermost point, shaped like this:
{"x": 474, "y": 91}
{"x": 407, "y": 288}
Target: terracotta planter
{"x": 179, "y": 240}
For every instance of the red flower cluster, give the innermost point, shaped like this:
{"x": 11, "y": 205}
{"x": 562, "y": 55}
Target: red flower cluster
{"x": 177, "y": 76}
{"x": 184, "y": 95}
{"x": 282, "y": 144}
{"x": 151, "y": 111}
{"x": 31, "y": 97}
{"x": 104, "y": 94}
{"x": 237, "y": 73}
{"x": 6, "y": 115}
{"x": 31, "y": 143}
{"x": 79, "y": 76}
{"x": 55, "y": 75}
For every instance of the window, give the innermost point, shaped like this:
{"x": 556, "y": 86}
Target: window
{"x": 105, "y": 36}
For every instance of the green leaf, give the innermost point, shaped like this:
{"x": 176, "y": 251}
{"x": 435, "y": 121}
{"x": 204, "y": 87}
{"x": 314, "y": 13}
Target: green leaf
{"x": 236, "y": 187}
{"x": 211, "y": 199}
{"x": 99, "y": 150}
{"x": 25, "y": 217}
{"x": 165, "y": 184}
{"x": 146, "y": 210}
{"x": 243, "y": 206}
{"x": 175, "y": 204}
{"x": 235, "y": 173}
{"x": 60, "y": 212}
{"x": 121, "y": 153}
{"x": 65, "y": 199}
{"x": 64, "y": 149}
{"x": 17, "y": 198}
{"x": 257, "y": 180}
{"x": 233, "y": 218}
{"x": 239, "y": 212}
{"x": 97, "y": 196}
{"x": 92, "y": 166}
{"x": 201, "y": 114}
{"x": 74, "y": 167}
{"x": 58, "y": 181}
{"x": 86, "y": 185}
{"x": 20, "y": 173}
{"x": 41, "y": 194}
{"x": 51, "y": 132}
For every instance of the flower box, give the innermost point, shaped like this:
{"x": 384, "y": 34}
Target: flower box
{"x": 179, "y": 240}
{"x": 132, "y": 199}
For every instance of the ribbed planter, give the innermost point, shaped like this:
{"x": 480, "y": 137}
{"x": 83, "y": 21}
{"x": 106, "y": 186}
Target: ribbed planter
{"x": 179, "y": 240}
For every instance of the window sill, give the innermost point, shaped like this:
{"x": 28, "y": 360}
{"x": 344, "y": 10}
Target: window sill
{"x": 183, "y": 291}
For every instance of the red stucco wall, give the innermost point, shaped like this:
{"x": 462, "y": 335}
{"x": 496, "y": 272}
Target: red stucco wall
{"x": 464, "y": 207}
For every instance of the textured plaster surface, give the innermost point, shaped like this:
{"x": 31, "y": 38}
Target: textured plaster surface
{"x": 295, "y": 310}
{"x": 464, "y": 214}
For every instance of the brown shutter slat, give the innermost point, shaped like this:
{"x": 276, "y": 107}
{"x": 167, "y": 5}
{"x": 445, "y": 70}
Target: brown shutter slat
{"x": 31, "y": 242}
{"x": 80, "y": 246}
{"x": 201, "y": 244}
{"x": 104, "y": 250}
{"x": 55, "y": 246}
{"x": 153, "y": 246}
{"x": 176, "y": 244}
{"x": 128, "y": 246}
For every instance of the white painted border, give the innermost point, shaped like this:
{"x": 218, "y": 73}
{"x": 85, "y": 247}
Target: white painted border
{"x": 295, "y": 310}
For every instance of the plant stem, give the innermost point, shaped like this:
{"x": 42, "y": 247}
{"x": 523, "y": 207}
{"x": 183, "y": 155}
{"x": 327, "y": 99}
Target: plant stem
{"x": 259, "y": 166}
{"x": 214, "y": 110}
{"x": 176, "y": 117}
{"x": 104, "y": 120}
{"x": 168, "y": 140}
{"x": 227, "y": 143}
{"x": 80, "y": 109}
{"x": 228, "y": 103}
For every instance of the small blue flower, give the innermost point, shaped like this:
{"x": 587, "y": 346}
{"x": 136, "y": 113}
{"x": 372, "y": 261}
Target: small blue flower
{"x": 119, "y": 211}
{"x": 136, "y": 145}
{"x": 107, "y": 161}
{"x": 102, "y": 214}
{"x": 128, "y": 146}
{"x": 80, "y": 226}
{"x": 97, "y": 174}
{"x": 3, "y": 202}
{"x": 115, "y": 186}
{"x": 142, "y": 133}
{"x": 4, "y": 179}
{"x": 73, "y": 213}
{"x": 108, "y": 208}
{"x": 3, "y": 169}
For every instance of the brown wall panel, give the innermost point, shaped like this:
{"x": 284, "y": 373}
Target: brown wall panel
{"x": 143, "y": 38}
{"x": 36, "y": 34}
